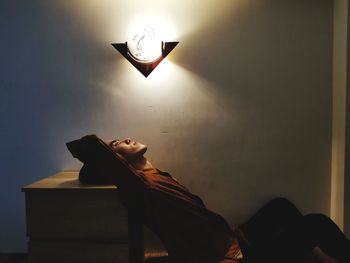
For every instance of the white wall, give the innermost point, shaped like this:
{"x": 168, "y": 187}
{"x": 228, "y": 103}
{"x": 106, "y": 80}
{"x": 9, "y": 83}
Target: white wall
{"x": 240, "y": 111}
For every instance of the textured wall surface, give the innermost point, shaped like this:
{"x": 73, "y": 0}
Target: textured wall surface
{"x": 239, "y": 112}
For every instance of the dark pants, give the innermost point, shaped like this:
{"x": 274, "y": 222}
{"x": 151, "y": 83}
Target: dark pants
{"x": 278, "y": 232}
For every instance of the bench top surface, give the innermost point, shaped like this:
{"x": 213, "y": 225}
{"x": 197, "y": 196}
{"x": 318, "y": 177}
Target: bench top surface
{"x": 66, "y": 180}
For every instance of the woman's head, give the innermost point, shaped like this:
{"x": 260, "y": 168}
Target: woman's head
{"x": 132, "y": 151}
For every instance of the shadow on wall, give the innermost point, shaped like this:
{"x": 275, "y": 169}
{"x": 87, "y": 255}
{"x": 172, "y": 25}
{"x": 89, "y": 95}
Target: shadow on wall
{"x": 49, "y": 71}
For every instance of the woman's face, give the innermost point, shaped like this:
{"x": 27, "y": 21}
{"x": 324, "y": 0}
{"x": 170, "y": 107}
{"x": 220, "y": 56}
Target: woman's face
{"x": 130, "y": 150}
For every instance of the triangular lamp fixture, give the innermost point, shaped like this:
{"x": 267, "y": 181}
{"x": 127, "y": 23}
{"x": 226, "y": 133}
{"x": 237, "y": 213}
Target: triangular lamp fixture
{"x": 144, "y": 66}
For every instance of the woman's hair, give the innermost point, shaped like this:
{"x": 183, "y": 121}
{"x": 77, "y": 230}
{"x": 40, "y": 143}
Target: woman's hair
{"x": 101, "y": 165}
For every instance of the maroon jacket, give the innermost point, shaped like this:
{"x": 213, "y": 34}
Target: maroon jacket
{"x": 190, "y": 232}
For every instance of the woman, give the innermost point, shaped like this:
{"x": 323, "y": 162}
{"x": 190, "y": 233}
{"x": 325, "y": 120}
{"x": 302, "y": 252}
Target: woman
{"x": 192, "y": 233}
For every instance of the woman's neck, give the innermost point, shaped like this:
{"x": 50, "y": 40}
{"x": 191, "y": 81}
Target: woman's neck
{"x": 141, "y": 163}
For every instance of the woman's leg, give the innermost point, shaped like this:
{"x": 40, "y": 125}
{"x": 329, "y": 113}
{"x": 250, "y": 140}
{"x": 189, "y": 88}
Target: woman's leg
{"x": 319, "y": 230}
{"x": 270, "y": 221}
{"x": 278, "y": 232}
{"x": 303, "y": 236}
{"x": 260, "y": 238}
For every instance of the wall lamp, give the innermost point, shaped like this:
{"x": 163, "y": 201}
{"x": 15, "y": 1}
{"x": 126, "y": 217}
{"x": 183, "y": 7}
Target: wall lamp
{"x": 144, "y": 50}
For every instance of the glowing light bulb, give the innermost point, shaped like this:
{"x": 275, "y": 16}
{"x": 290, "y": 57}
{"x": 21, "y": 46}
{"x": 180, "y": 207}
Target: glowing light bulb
{"x": 144, "y": 45}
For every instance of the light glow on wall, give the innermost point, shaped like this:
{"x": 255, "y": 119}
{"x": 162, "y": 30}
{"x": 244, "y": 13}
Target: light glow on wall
{"x": 112, "y": 21}
{"x": 162, "y": 27}
{"x": 115, "y": 19}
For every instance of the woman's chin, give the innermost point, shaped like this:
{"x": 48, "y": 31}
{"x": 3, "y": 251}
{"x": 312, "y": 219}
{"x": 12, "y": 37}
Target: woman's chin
{"x": 143, "y": 150}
